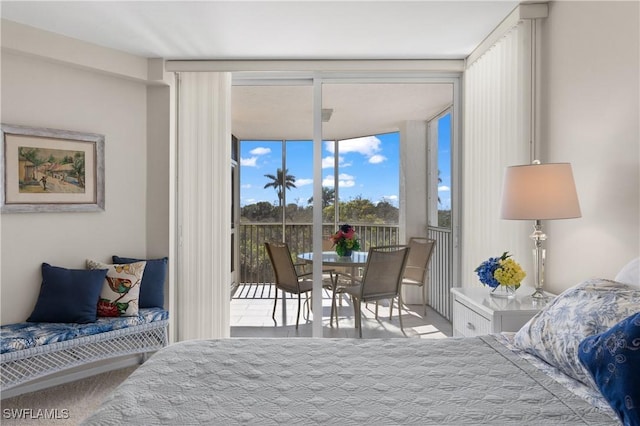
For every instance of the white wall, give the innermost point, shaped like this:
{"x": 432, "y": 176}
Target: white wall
{"x": 158, "y": 105}
{"x": 56, "y": 93}
{"x": 590, "y": 118}
{"x": 413, "y": 190}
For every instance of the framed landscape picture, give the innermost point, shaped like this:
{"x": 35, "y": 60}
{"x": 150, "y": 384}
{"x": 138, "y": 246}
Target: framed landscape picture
{"x": 48, "y": 170}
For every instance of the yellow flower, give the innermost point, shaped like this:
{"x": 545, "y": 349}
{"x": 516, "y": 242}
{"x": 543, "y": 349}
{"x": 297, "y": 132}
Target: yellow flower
{"x": 509, "y": 273}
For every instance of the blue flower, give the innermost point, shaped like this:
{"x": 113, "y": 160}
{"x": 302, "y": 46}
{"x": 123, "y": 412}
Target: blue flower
{"x": 487, "y": 268}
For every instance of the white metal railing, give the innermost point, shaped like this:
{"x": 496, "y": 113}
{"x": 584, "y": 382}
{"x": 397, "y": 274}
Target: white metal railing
{"x": 256, "y": 273}
{"x": 441, "y": 271}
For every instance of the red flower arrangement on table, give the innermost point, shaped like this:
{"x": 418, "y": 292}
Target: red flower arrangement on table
{"x": 345, "y": 240}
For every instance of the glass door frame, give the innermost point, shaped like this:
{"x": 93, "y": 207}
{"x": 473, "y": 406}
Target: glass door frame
{"x": 316, "y": 79}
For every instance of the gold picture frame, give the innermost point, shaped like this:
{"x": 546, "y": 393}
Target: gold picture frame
{"x": 49, "y": 170}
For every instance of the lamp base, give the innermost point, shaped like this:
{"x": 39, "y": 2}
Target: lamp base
{"x": 539, "y": 295}
{"x": 538, "y": 238}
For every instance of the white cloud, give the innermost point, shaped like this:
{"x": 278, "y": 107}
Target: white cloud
{"x": 377, "y": 159}
{"x": 330, "y": 146}
{"x": 248, "y": 162}
{"x": 303, "y": 182}
{"x": 260, "y": 151}
{"x": 390, "y": 198}
{"x": 246, "y": 186}
{"x": 327, "y": 162}
{"x": 367, "y": 146}
{"x": 444, "y": 188}
{"x": 344, "y": 181}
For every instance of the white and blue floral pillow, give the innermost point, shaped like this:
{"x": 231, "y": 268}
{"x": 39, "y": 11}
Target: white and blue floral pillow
{"x": 589, "y": 308}
{"x": 613, "y": 360}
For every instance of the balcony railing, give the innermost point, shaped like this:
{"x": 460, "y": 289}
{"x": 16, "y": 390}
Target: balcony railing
{"x": 256, "y": 274}
{"x": 255, "y": 268}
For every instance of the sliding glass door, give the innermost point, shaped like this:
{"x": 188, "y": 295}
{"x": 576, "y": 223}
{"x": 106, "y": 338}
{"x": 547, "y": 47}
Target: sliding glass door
{"x": 372, "y": 157}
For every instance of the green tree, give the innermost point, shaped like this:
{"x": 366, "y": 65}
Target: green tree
{"x": 30, "y": 155}
{"x": 280, "y": 181}
{"x": 387, "y": 212}
{"x": 328, "y": 196}
{"x": 259, "y": 212}
{"x": 78, "y": 168}
{"x": 358, "y": 210}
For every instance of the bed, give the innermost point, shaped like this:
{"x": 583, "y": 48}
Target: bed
{"x": 482, "y": 380}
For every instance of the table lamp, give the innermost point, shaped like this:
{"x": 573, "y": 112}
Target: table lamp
{"x": 539, "y": 192}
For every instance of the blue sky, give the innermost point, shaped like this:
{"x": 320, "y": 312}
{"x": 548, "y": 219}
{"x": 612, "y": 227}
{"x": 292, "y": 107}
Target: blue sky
{"x": 368, "y": 167}
{"x": 444, "y": 161}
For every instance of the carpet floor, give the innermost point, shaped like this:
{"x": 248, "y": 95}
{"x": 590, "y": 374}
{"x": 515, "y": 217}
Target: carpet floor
{"x": 66, "y": 404}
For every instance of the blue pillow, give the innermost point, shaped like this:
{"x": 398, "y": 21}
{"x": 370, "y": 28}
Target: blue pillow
{"x": 613, "y": 359}
{"x": 153, "y": 278}
{"x": 68, "y": 295}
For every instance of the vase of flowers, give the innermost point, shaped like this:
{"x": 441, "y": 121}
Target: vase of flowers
{"x": 345, "y": 240}
{"x": 502, "y": 274}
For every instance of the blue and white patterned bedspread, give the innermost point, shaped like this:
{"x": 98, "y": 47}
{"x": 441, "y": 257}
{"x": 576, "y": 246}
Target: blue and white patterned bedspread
{"x": 26, "y": 335}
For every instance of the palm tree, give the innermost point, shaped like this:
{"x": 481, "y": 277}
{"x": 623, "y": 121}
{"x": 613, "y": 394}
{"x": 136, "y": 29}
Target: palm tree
{"x": 328, "y": 196}
{"x": 279, "y": 181}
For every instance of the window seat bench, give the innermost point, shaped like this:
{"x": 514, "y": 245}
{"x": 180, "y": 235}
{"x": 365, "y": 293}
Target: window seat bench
{"x": 31, "y": 350}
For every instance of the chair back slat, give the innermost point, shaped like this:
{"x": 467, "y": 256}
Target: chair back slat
{"x": 419, "y": 256}
{"x": 383, "y": 273}
{"x": 284, "y": 271}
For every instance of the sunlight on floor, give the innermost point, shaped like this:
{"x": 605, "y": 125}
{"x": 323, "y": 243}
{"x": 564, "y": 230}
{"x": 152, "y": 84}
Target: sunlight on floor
{"x": 252, "y": 318}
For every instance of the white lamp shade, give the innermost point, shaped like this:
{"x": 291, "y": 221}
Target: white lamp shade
{"x": 539, "y": 191}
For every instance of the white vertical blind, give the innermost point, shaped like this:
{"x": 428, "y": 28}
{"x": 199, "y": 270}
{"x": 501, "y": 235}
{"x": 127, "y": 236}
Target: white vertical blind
{"x": 496, "y": 135}
{"x": 203, "y": 282}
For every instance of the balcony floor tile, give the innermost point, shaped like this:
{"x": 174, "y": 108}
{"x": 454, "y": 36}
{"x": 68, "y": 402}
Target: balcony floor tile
{"x": 252, "y": 318}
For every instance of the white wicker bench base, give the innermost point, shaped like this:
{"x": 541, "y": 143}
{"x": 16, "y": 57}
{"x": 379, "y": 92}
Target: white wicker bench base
{"x": 22, "y": 366}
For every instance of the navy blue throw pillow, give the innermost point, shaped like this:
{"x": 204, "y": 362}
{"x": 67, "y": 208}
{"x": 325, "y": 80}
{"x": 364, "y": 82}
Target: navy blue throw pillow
{"x": 613, "y": 359}
{"x": 152, "y": 286}
{"x": 68, "y": 295}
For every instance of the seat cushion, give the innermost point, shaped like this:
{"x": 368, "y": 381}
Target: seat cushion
{"x": 27, "y": 335}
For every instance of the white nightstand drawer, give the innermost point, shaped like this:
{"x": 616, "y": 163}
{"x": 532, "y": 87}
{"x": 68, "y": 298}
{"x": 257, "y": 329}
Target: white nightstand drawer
{"x": 469, "y": 323}
{"x": 476, "y": 312}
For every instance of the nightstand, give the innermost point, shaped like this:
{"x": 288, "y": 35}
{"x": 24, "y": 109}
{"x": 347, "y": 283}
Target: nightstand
{"x": 476, "y": 313}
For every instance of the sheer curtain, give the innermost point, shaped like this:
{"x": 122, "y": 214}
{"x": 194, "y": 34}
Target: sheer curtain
{"x": 497, "y": 124}
{"x": 202, "y": 288}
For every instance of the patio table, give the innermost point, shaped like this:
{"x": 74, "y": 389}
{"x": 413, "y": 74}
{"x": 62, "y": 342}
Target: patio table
{"x": 331, "y": 260}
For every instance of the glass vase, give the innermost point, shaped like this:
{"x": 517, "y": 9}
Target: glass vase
{"x": 504, "y": 291}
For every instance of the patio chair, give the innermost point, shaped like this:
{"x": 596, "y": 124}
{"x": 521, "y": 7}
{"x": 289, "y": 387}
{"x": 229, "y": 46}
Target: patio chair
{"x": 415, "y": 272}
{"x": 380, "y": 280}
{"x": 287, "y": 277}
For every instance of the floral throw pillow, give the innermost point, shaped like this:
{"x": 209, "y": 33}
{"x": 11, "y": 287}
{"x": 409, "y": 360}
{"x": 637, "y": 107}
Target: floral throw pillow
{"x": 121, "y": 288}
{"x": 587, "y": 309}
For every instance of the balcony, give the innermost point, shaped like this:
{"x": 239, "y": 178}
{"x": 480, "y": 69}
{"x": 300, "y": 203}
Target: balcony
{"x": 253, "y": 297}
{"x": 255, "y": 268}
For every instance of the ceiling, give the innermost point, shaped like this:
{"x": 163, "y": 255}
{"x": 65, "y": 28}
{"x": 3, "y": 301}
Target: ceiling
{"x": 285, "y": 112}
{"x": 271, "y": 29}
{"x": 299, "y": 30}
